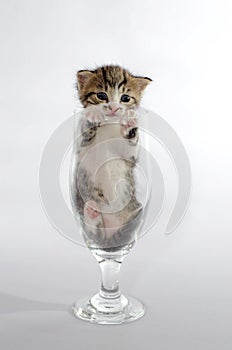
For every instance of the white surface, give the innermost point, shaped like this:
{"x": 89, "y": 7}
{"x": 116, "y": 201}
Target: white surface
{"x": 185, "y": 278}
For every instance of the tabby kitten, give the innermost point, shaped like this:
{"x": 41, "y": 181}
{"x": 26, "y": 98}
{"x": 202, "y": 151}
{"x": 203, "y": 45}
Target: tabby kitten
{"x": 109, "y": 213}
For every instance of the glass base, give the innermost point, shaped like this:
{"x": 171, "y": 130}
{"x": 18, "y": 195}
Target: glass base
{"x": 131, "y": 310}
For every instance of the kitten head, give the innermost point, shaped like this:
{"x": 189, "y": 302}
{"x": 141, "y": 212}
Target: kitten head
{"x": 111, "y": 88}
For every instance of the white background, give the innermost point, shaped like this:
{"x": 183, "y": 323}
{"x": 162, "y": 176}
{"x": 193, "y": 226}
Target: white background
{"x": 185, "y": 278}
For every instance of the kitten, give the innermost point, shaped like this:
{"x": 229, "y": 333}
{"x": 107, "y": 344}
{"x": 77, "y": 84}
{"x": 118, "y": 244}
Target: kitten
{"x": 103, "y": 185}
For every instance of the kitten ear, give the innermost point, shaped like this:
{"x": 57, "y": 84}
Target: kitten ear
{"x": 83, "y": 77}
{"x": 142, "y": 82}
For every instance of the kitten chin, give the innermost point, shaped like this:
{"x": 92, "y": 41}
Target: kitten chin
{"x": 106, "y": 110}
{"x": 100, "y": 113}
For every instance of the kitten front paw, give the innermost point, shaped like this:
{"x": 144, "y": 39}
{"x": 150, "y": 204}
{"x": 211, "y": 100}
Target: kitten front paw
{"x": 129, "y": 124}
{"x": 93, "y": 115}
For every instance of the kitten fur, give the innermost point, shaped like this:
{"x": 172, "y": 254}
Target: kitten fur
{"x": 109, "y": 213}
{"x": 108, "y": 79}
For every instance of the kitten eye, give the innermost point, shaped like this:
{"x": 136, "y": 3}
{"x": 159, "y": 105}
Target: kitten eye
{"x": 102, "y": 96}
{"x": 125, "y": 98}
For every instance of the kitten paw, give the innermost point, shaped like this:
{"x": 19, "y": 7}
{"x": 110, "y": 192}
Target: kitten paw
{"x": 129, "y": 124}
{"x": 93, "y": 115}
{"x": 91, "y": 209}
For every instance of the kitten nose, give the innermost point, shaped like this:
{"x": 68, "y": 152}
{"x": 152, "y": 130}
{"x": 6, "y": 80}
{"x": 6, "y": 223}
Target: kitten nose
{"x": 113, "y": 107}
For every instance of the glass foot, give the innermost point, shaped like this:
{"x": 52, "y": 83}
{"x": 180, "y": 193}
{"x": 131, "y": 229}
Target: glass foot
{"x": 132, "y": 310}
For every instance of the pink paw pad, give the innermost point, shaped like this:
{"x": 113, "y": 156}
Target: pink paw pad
{"x": 128, "y": 124}
{"x": 91, "y": 209}
{"x": 132, "y": 123}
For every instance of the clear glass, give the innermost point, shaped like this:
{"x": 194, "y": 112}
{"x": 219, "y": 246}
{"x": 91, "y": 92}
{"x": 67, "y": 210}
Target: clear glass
{"x": 110, "y": 218}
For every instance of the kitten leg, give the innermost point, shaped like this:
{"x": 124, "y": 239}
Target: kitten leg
{"x": 100, "y": 226}
{"x": 93, "y": 114}
{"x": 92, "y": 120}
{"x": 91, "y": 210}
{"x": 130, "y": 131}
{"x": 94, "y": 224}
{"x": 88, "y": 132}
{"x": 129, "y": 125}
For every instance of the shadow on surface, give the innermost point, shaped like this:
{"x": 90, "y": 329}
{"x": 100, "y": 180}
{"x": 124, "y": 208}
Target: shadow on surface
{"x": 12, "y": 303}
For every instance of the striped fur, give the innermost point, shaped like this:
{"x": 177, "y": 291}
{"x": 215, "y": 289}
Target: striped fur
{"x": 115, "y": 81}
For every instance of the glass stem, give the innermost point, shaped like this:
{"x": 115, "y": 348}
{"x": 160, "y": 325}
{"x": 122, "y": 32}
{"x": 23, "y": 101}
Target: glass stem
{"x": 110, "y": 270}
